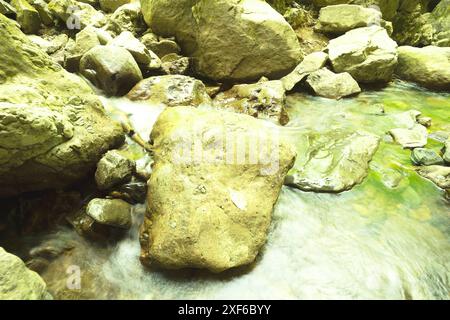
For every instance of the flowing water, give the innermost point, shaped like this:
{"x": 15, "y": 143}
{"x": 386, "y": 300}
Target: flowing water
{"x": 388, "y": 238}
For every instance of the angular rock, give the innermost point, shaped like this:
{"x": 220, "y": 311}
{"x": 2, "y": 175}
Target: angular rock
{"x": 110, "y": 68}
{"x": 139, "y": 52}
{"x": 27, "y": 16}
{"x": 53, "y": 128}
{"x": 133, "y": 192}
{"x": 44, "y": 13}
{"x": 161, "y": 47}
{"x": 75, "y": 15}
{"x": 310, "y": 63}
{"x": 206, "y": 213}
{"x": 368, "y": 54}
{"x": 338, "y": 19}
{"x": 113, "y": 169}
{"x": 176, "y": 64}
{"x": 439, "y": 175}
{"x": 429, "y": 66}
{"x": 85, "y": 40}
{"x": 233, "y": 53}
{"x": 171, "y": 91}
{"x": 413, "y": 137}
{"x": 127, "y": 18}
{"x": 333, "y": 161}
{"x": 425, "y": 157}
{"x": 17, "y": 282}
{"x": 331, "y": 85}
{"x": 263, "y": 100}
{"x": 111, "y": 212}
{"x": 7, "y": 10}
{"x": 112, "y": 5}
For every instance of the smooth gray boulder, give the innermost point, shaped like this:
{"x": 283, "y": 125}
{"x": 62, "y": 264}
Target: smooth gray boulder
{"x": 110, "y": 68}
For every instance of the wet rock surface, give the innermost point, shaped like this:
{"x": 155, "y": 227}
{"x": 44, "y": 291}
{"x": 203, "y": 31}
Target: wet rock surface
{"x": 263, "y": 100}
{"x": 171, "y": 90}
{"x": 17, "y": 282}
{"x": 222, "y": 202}
{"x": 113, "y": 169}
{"x": 327, "y": 84}
{"x": 334, "y": 161}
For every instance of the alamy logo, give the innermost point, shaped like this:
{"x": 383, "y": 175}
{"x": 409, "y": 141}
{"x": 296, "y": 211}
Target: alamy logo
{"x": 231, "y": 148}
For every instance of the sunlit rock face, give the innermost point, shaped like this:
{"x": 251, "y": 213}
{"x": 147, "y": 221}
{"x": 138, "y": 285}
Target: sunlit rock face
{"x": 368, "y": 54}
{"x": 211, "y": 194}
{"x": 17, "y": 282}
{"x": 53, "y": 129}
{"x": 256, "y": 42}
{"x": 429, "y": 66}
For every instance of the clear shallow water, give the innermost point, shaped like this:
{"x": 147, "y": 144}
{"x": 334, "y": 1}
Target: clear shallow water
{"x": 388, "y": 238}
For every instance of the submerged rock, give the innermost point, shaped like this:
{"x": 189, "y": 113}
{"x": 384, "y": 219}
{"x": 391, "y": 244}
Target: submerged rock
{"x": 113, "y": 169}
{"x": 338, "y": 19}
{"x": 204, "y": 211}
{"x": 331, "y": 85}
{"x": 425, "y": 157}
{"x": 368, "y": 54}
{"x": 429, "y": 66}
{"x": 17, "y": 282}
{"x": 171, "y": 90}
{"x": 110, "y": 68}
{"x": 263, "y": 100}
{"x": 233, "y": 53}
{"x": 439, "y": 175}
{"x": 53, "y": 129}
{"x": 413, "y": 137}
{"x": 333, "y": 161}
{"x": 312, "y": 62}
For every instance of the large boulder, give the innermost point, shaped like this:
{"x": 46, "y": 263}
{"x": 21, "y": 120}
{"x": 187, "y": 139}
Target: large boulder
{"x": 171, "y": 91}
{"x": 256, "y": 42}
{"x": 368, "y": 54}
{"x": 27, "y": 16}
{"x": 76, "y": 15}
{"x": 211, "y": 208}
{"x": 333, "y": 161}
{"x": 429, "y": 66}
{"x": 17, "y": 282}
{"x": 111, "y": 68}
{"x": 53, "y": 129}
{"x": 339, "y": 19}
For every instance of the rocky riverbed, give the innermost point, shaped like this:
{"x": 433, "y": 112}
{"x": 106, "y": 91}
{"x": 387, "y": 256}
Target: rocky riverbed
{"x": 224, "y": 149}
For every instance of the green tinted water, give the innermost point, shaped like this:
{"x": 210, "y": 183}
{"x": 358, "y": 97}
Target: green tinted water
{"x": 387, "y": 238}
